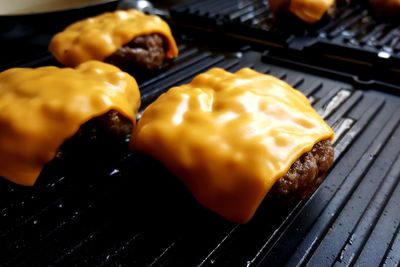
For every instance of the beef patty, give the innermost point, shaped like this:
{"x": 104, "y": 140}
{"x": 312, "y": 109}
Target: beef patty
{"x": 108, "y": 133}
{"x": 305, "y": 174}
{"x": 147, "y": 52}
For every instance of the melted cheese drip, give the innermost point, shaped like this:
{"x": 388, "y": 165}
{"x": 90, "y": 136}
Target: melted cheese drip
{"x": 98, "y": 37}
{"x": 230, "y": 137}
{"x": 40, "y": 108}
{"x": 310, "y": 11}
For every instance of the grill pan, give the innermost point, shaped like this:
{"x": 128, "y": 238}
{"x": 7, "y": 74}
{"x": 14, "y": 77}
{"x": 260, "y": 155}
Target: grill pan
{"x": 131, "y": 211}
{"x": 355, "y": 35}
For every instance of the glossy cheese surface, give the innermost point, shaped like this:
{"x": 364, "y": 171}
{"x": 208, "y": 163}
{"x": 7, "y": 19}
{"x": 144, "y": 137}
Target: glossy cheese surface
{"x": 230, "y": 137}
{"x": 40, "y": 108}
{"x": 98, "y": 37}
{"x": 310, "y": 11}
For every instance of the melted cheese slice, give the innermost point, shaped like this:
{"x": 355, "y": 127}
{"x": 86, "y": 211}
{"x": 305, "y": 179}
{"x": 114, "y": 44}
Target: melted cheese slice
{"x": 98, "y": 37}
{"x": 230, "y": 137}
{"x": 40, "y": 108}
{"x": 310, "y": 11}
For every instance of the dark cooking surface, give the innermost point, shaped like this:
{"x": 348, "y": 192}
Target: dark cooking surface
{"x": 73, "y": 218}
{"x": 356, "y": 36}
{"x": 131, "y": 212}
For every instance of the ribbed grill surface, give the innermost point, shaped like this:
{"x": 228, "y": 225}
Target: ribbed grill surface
{"x": 354, "y": 33}
{"x": 134, "y": 213}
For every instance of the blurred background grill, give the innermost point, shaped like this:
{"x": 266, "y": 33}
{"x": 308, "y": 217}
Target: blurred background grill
{"x": 354, "y": 34}
{"x": 133, "y": 212}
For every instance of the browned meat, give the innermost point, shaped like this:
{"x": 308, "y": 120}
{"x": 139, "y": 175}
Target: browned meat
{"x": 144, "y": 52}
{"x": 306, "y": 174}
{"x": 107, "y": 133}
{"x": 386, "y": 6}
{"x": 279, "y": 6}
{"x": 112, "y": 125}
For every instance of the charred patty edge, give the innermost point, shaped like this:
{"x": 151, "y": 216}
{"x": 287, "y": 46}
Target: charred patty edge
{"x": 145, "y": 52}
{"x": 306, "y": 173}
{"x": 106, "y": 134}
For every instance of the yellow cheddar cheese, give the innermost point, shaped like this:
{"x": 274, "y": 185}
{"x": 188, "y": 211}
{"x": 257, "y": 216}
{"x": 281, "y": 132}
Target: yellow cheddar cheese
{"x": 230, "y": 137}
{"x": 42, "y": 107}
{"x": 98, "y": 37}
{"x": 310, "y": 11}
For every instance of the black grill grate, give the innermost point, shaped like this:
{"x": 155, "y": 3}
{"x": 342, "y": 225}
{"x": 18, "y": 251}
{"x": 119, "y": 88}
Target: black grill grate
{"x": 134, "y": 213}
{"x": 354, "y": 35}
{"x": 246, "y": 19}
{"x": 359, "y": 28}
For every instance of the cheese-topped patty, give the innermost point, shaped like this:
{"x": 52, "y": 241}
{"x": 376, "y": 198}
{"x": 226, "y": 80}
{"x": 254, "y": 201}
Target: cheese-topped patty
{"x": 42, "y": 107}
{"x": 230, "y": 137}
{"x": 310, "y": 11}
{"x": 98, "y": 37}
